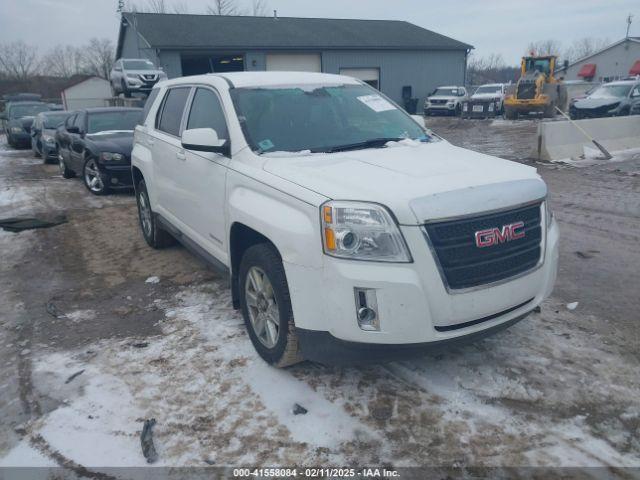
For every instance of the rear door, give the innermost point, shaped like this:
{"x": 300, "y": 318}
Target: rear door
{"x": 76, "y": 146}
{"x": 64, "y": 138}
{"x": 202, "y": 185}
{"x": 168, "y": 154}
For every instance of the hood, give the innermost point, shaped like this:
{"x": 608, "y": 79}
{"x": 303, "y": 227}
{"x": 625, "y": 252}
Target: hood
{"x": 115, "y": 141}
{"x": 23, "y": 122}
{"x": 486, "y": 96}
{"x": 442, "y": 97}
{"x": 597, "y": 102}
{"x": 417, "y": 182}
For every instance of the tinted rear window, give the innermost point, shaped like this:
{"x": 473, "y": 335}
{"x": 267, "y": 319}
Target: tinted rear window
{"x": 171, "y": 115}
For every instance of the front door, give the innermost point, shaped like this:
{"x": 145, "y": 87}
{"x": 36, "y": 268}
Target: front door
{"x": 202, "y": 185}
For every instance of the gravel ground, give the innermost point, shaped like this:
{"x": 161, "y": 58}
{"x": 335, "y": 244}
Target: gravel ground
{"x": 560, "y": 388}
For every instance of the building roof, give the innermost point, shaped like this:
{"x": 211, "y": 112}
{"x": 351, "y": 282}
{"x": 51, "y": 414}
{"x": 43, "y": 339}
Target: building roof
{"x": 181, "y": 31}
{"x": 580, "y": 60}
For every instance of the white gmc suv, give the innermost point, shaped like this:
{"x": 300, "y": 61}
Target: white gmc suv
{"x": 350, "y": 232}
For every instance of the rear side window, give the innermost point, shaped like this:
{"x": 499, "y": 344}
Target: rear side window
{"x": 172, "y": 110}
{"x": 149, "y": 103}
{"x": 206, "y": 112}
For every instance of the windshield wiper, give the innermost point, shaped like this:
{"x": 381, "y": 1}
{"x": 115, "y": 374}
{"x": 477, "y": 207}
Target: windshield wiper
{"x": 372, "y": 143}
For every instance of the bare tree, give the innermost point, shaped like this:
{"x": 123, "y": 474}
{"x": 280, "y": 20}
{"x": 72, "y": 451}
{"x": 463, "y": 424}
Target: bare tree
{"x": 63, "y": 61}
{"x": 18, "y": 60}
{"x": 223, "y": 7}
{"x": 157, "y": 6}
{"x": 260, "y": 8}
{"x": 489, "y": 69}
{"x": 180, "y": 7}
{"x": 584, "y": 47}
{"x": 544, "y": 47}
{"x": 98, "y": 57}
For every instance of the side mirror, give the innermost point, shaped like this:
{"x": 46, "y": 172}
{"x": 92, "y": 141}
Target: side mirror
{"x": 419, "y": 119}
{"x": 73, "y": 129}
{"x": 205, "y": 140}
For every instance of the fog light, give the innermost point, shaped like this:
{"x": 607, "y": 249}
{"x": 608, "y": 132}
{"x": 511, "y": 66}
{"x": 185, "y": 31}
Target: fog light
{"x": 114, "y": 181}
{"x": 367, "y": 309}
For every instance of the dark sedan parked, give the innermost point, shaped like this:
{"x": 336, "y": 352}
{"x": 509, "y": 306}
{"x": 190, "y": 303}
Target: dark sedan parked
{"x": 18, "y": 119}
{"x": 96, "y": 143}
{"x": 608, "y": 100}
{"x": 43, "y": 134}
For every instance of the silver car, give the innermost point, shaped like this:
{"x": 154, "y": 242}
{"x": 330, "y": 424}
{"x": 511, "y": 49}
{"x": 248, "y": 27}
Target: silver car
{"x": 130, "y": 75}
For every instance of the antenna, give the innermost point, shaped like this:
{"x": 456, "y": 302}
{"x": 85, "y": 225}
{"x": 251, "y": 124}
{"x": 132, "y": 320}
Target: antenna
{"x": 629, "y": 20}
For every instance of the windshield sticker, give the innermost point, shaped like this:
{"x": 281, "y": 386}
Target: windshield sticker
{"x": 265, "y": 145}
{"x": 376, "y": 103}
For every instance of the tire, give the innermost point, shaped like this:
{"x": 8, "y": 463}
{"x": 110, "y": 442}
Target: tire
{"x": 155, "y": 236}
{"x": 92, "y": 179}
{"x": 125, "y": 91}
{"x": 64, "y": 170}
{"x": 10, "y": 142}
{"x": 510, "y": 114}
{"x": 278, "y": 348}
{"x": 550, "y": 110}
{"x": 458, "y": 111}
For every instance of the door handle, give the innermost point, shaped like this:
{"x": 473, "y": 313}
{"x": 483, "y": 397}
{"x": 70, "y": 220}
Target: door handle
{"x": 181, "y": 156}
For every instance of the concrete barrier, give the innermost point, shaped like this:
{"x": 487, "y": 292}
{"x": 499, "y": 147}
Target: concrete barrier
{"x": 561, "y": 139}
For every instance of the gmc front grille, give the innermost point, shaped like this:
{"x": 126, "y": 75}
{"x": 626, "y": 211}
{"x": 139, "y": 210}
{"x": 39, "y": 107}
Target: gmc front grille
{"x": 464, "y": 265}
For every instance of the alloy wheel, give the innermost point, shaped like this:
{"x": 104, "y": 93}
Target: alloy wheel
{"x": 262, "y": 307}
{"x": 92, "y": 176}
{"x": 145, "y": 214}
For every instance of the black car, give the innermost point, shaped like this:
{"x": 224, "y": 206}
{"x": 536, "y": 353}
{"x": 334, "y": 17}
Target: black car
{"x": 96, "y": 143}
{"x": 43, "y": 134}
{"x": 17, "y": 119}
{"x": 608, "y": 100}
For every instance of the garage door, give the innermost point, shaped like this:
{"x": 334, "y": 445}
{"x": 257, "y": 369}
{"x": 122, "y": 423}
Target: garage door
{"x": 367, "y": 75}
{"x": 294, "y": 62}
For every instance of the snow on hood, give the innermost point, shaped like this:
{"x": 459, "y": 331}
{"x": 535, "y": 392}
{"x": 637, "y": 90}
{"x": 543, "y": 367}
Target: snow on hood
{"x": 413, "y": 180}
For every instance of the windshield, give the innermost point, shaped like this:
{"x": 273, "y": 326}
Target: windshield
{"x": 489, "y": 89}
{"x": 125, "y": 120}
{"x": 611, "y": 91}
{"x": 138, "y": 65}
{"x": 53, "y": 121}
{"x": 321, "y": 119}
{"x": 446, "y": 92}
{"x": 541, "y": 65}
{"x": 19, "y": 111}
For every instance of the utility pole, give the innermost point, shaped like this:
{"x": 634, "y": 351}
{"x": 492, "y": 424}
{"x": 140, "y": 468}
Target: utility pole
{"x": 629, "y": 20}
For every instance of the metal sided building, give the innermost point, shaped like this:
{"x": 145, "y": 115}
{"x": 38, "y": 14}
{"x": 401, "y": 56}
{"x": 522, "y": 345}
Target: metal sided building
{"x": 618, "y": 60}
{"x": 389, "y": 55}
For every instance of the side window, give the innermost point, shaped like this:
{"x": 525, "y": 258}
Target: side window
{"x": 172, "y": 110}
{"x": 70, "y": 120}
{"x": 635, "y": 92}
{"x": 206, "y": 112}
{"x": 79, "y": 121}
{"x": 149, "y": 103}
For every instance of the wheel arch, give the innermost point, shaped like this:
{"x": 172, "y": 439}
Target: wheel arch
{"x": 241, "y": 238}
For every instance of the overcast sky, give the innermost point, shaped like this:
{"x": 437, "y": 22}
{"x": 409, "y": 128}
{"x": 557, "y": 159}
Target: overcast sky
{"x": 491, "y": 26}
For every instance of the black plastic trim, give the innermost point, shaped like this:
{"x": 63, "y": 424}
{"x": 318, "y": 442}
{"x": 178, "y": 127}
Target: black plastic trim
{"x": 458, "y": 326}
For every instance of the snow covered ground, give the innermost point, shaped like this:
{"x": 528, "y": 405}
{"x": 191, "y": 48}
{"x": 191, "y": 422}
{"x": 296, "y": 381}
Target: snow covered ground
{"x": 140, "y": 334}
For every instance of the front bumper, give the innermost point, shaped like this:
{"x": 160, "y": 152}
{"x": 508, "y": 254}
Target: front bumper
{"x": 440, "y": 108}
{"x": 116, "y": 175}
{"x": 415, "y": 309}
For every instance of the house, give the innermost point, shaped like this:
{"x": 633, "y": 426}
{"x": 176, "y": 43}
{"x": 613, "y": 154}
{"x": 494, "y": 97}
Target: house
{"x": 86, "y": 92}
{"x": 619, "y": 60}
{"x": 399, "y": 58}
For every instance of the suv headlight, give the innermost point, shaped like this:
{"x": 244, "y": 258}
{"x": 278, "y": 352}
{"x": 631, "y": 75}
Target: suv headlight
{"x": 16, "y": 129}
{"x": 361, "y": 231}
{"x": 48, "y": 139}
{"x": 111, "y": 157}
{"x": 132, "y": 75}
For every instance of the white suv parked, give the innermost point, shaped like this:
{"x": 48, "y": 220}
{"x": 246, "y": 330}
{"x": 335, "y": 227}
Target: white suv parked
{"x": 350, "y": 232}
{"x": 447, "y": 100}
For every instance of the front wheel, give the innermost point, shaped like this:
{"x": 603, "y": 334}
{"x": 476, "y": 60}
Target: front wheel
{"x": 92, "y": 178}
{"x": 266, "y": 306}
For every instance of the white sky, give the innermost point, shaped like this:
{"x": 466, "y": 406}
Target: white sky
{"x": 492, "y": 26}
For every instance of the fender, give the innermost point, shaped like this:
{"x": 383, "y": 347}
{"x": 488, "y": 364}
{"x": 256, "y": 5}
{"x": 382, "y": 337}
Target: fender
{"x": 291, "y": 225}
{"x": 141, "y": 159}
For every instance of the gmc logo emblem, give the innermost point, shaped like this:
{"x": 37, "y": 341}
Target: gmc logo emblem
{"x": 496, "y": 236}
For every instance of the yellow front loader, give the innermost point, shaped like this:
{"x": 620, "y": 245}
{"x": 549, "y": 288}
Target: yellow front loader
{"x": 537, "y": 90}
